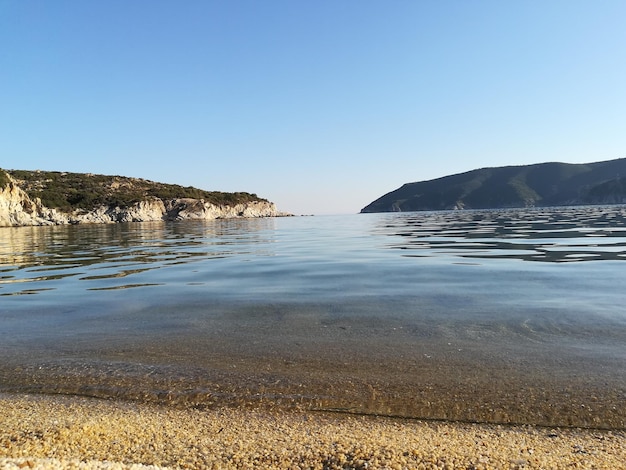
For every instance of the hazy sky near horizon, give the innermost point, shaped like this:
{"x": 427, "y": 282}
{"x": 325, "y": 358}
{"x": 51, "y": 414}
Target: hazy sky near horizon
{"x": 320, "y": 106}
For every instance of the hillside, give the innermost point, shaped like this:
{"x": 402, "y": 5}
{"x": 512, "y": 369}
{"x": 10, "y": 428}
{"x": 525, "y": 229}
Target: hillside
{"x": 67, "y": 191}
{"x": 544, "y": 184}
{"x": 52, "y": 197}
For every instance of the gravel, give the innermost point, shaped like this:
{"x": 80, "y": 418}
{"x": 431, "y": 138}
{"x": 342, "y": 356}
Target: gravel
{"x": 58, "y": 432}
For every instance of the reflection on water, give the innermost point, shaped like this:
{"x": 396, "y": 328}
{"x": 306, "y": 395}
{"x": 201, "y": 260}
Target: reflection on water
{"x": 110, "y": 251}
{"x": 433, "y": 315}
{"x": 568, "y": 235}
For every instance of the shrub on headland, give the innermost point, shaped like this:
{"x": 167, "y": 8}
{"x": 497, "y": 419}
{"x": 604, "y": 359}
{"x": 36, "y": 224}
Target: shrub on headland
{"x": 4, "y": 179}
{"x": 67, "y": 191}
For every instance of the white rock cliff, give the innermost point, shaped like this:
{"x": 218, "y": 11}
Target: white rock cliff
{"x": 18, "y": 209}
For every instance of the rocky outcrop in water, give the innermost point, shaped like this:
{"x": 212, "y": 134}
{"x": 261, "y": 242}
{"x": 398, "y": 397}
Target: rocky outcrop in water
{"x": 18, "y": 208}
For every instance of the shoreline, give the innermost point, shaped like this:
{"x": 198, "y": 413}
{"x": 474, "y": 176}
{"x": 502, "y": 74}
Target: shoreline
{"x": 55, "y": 431}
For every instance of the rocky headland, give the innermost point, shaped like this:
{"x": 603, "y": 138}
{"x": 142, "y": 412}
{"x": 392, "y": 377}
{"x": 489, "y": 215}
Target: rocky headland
{"x": 57, "y": 198}
{"x": 543, "y": 184}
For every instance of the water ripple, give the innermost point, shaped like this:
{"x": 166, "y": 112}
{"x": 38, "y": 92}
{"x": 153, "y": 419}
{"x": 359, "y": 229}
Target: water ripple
{"x": 545, "y": 235}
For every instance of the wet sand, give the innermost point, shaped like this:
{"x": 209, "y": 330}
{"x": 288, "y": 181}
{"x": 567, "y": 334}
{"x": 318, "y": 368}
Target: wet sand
{"x": 42, "y": 431}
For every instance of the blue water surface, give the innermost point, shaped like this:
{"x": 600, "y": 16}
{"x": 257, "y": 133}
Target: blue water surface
{"x": 476, "y": 315}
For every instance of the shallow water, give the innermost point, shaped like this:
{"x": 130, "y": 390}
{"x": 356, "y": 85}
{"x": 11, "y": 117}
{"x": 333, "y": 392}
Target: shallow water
{"x": 512, "y": 316}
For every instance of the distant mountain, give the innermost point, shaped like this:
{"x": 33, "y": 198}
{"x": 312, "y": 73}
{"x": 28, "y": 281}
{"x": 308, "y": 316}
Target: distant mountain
{"x": 543, "y": 184}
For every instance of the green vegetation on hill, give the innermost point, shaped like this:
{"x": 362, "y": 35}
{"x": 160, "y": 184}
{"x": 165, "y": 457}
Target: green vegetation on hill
{"x": 67, "y": 191}
{"x": 612, "y": 190}
{"x": 545, "y": 184}
{"x": 4, "y": 179}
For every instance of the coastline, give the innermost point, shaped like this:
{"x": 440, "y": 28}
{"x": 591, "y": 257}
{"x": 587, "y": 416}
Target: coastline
{"x": 54, "y": 431}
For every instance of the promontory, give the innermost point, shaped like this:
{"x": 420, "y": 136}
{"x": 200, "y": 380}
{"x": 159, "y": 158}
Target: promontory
{"x": 543, "y": 184}
{"x": 56, "y": 198}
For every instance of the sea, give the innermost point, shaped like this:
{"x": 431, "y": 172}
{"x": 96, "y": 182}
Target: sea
{"x": 494, "y": 316}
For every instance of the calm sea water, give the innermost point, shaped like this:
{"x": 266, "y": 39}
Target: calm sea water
{"x": 514, "y": 316}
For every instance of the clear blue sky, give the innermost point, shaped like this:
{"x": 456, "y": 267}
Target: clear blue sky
{"x": 318, "y": 105}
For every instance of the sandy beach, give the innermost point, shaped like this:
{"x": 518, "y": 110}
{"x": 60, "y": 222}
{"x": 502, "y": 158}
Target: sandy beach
{"x": 59, "y": 432}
